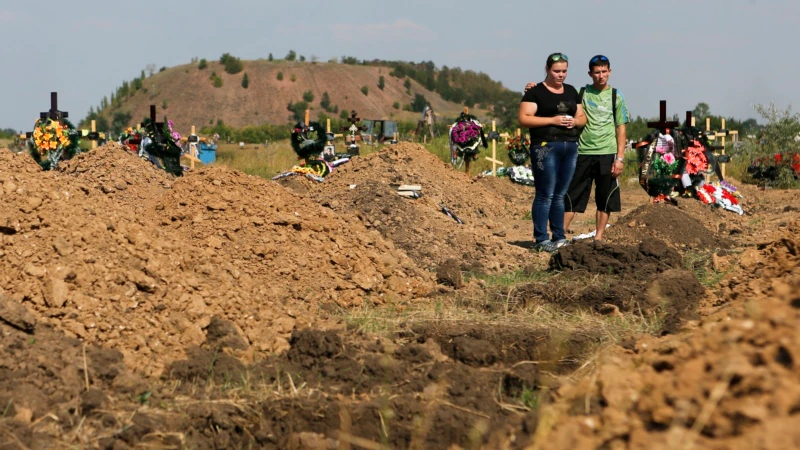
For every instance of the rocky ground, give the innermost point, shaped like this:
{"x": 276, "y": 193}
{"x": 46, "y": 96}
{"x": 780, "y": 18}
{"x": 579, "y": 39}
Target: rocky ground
{"x": 220, "y": 310}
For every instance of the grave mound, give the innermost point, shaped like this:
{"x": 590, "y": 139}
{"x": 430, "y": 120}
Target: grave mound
{"x": 667, "y": 223}
{"x": 365, "y": 188}
{"x": 147, "y": 279}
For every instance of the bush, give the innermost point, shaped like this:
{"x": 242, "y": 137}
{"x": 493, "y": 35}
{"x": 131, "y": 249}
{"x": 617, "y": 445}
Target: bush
{"x": 407, "y": 85}
{"x": 216, "y": 80}
{"x": 270, "y": 58}
{"x": 308, "y": 96}
{"x": 419, "y": 103}
{"x": 245, "y": 81}
{"x": 293, "y": 77}
{"x": 381, "y": 82}
{"x": 344, "y": 114}
{"x": 349, "y": 60}
{"x": 298, "y": 111}
{"x": 364, "y": 90}
{"x": 291, "y": 56}
{"x": 396, "y": 105}
{"x": 232, "y": 64}
{"x": 164, "y": 104}
{"x": 203, "y": 64}
{"x": 325, "y": 102}
{"x": 280, "y": 76}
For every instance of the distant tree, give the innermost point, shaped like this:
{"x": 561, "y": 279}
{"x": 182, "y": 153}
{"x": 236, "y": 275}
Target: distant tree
{"x": 280, "y": 76}
{"x": 163, "y": 68}
{"x": 151, "y": 69}
{"x": 245, "y": 81}
{"x": 396, "y": 105}
{"x": 203, "y": 64}
{"x": 308, "y": 96}
{"x": 137, "y": 84}
{"x": 270, "y": 58}
{"x": 291, "y": 56}
{"x": 407, "y": 85}
{"x": 232, "y": 64}
{"x": 349, "y": 60}
{"x": 298, "y": 111}
{"x": 344, "y": 114}
{"x": 381, "y": 82}
{"x": 419, "y": 103}
{"x": 302, "y": 58}
{"x": 364, "y": 90}
{"x": 325, "y": 103}
{"x": 119, "y": 121}
{"x": 701, "y": 111}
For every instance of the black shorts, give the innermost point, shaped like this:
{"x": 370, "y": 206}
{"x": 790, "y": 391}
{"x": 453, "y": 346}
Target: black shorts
{"x": 595, "y": 168}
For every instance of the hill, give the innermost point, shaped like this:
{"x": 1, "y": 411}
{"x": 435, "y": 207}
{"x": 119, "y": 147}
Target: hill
{"x": 187, "y": 94}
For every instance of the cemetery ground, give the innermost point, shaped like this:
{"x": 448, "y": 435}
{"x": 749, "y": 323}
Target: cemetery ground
{"x": 222, "y": 310}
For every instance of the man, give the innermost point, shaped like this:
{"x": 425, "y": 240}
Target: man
{"x": 601, "y": 148}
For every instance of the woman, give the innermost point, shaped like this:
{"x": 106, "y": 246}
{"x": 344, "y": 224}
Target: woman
{"x": 553, "y": 112}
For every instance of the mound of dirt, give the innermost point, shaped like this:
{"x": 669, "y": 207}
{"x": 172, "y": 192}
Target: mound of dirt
{"x": 668, "y": 223}
{"x": 146, "y": 279}
{"x": 641, "y": 261}
{"x": 419, "y": 226}
{"x": 733, "y": 383}
{"x": 120, "y": 174}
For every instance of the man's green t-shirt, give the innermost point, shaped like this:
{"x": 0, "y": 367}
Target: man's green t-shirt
{"x": 599, "y": 136}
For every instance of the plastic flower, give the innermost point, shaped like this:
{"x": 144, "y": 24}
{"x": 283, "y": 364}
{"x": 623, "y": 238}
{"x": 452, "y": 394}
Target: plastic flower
{"x": 669, "y": 158}
{"x": 661, "y": 150}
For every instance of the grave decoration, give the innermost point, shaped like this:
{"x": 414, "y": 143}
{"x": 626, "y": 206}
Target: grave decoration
{"x": 466, "y": 134}
{"x": 308, "y": 140}
{"x": 352, "y": 148}
{"x": 54, "y": 138}
{"x": 131, "y": 138}
{"x": 160, "y": 144}
{"x": 518, "y": 150}
{"x": 517, "y": 174}
{"x": 674, "y": 162}
{"x": 769, "y": 169}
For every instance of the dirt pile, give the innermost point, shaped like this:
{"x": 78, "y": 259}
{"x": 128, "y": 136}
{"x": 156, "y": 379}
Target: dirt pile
{"x": 419, "y": 226}
{"x": 672, "y": 225}
{"x": 732, "y": 383}
{"x": 147, "y": 279}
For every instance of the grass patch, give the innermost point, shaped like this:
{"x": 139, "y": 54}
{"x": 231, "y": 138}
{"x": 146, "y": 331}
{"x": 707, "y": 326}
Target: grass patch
{"x": 701, "y": 263}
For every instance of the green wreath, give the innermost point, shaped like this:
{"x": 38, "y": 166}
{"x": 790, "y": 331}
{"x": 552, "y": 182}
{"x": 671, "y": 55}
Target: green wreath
{"x": 53, "y": 141}
{"x": 308, "y": 140}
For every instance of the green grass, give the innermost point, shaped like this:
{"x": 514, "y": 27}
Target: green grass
{"x": 701, "y": 264}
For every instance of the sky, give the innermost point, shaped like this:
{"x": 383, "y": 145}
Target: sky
{"x": 729, "y": 54}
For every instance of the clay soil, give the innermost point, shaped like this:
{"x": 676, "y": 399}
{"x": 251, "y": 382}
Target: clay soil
{"x": 216, "y": 310}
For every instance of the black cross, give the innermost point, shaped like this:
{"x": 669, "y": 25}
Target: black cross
{"x": 688, "y": 119}
{"x": 663, "y": 125}
{"x": 158, "y": 127}
{"x": 353, "y": 119}
{"x": 54, "y": 113}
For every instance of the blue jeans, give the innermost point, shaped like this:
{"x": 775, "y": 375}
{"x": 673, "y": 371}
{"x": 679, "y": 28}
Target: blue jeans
{"x": 553, "y": 166}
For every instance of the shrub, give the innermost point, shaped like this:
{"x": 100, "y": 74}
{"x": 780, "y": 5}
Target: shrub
{"x": 270, "y": 58}
{"x": 293, "y": 77}
{"x": 291, "y": 56}
{"x": 308, "y": 96}
{"x": 325, "y": 102}
{"x": 232, "y": 64}
{"x": 280, "y": 76}
{"x": 396, "y": 105}
{"x": 364, "y": 90}
{"x": 349, "y": 60}
{"x": 344, "y": 114}
{"x": 203, "y": 64}
{"x": 381, "y": 82}
{"x": 164, "y": 104}
{"x": 245, "y": 81}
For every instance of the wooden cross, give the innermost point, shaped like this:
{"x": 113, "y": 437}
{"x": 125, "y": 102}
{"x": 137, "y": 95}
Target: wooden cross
{"x": 54, "y": 113}
{"x": 92, "y": 134}
{"x": 663, "y": 125}
{"x": 493, "y": 159}
{"x": 192, "y": 140}
{"x": 307, "y": 118}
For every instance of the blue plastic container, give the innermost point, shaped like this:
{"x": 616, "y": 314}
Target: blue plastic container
{"x": 207, "y": 152}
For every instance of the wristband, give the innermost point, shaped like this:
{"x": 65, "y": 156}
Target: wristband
{"x": 616, "y": 158}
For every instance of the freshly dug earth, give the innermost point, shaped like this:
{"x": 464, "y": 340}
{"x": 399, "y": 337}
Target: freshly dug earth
{"x": 147, "y": 278}
{"x": 731, "y": 383}
{"x": 362, "y": 188}
{"x": 138, "y": 309}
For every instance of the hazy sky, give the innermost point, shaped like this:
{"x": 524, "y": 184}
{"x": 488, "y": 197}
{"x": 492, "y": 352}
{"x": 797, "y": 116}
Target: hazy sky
{"x": 728, "y": 54}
